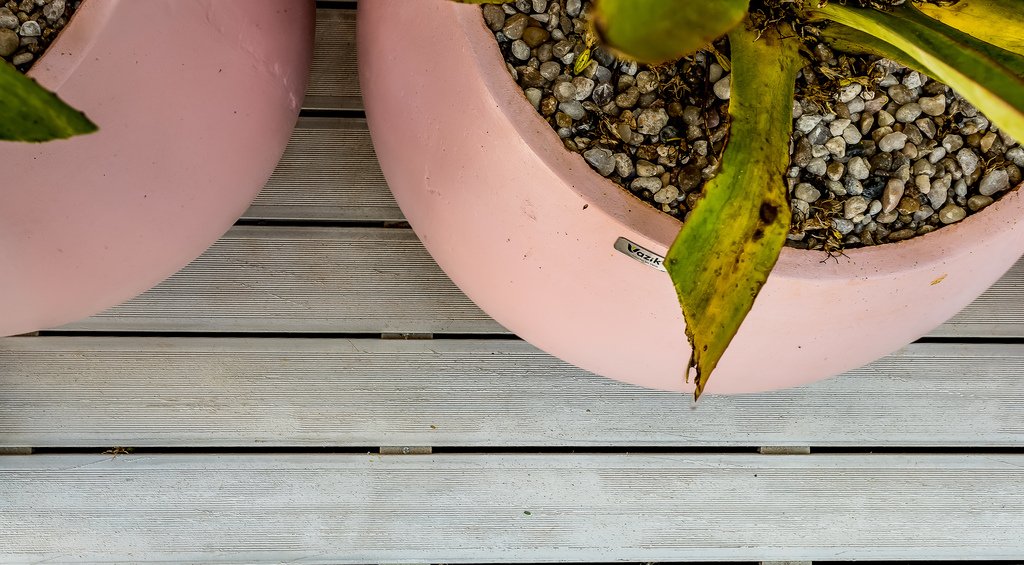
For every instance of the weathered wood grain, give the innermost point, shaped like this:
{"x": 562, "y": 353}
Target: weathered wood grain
{"x": 329, "y": 172}
{"x": 233, "y": 392}
{"x": 334, "y": 76}
{"x": 304, "y": 280}
{"x": 366, "y": 508}
{"x": 375, "y": 280}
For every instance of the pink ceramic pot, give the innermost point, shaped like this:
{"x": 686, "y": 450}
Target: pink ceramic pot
{"x": 195, "y": 101}
{"x": 528, "y": 230}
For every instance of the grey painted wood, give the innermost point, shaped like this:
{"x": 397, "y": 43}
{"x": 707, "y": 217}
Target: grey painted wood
{"x": 367, "y": 280}
{"x": 998, "y": 313}
{"x": 220, "y": 392}
{"x": 304, "y": 280}
{"x": 371, "y": 508}
{"x": 334, "y": 77}
{"x": 329, "y": 172}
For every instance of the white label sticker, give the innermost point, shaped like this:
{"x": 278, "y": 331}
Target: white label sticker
{"x": 641, "y": 254}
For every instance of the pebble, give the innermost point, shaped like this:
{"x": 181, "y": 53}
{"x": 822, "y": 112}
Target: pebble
{"x": 988, "y": 141}
{"x": 646, "y": 168}
{"x": 623, "y": 165}
{"x": 968, "y": 161}
{"x": 952, "y": 143}
{"x": 817, "y": 166}
{"x": 978, "y": 202}
{"x": 494, "y": 16}
{"x": 901, "y": 94}
{"x": 933, "y": 105}
{"x": 908, "y": 205}
{"x": 808, "y": 122}
{"x": 515, "y": 26}
{"x": 651, "y": 122}
{"x": 852, "y": 135}
{"x": 995, "y": 181}
{"x": 843, "y": 226}
{"x": 8, "y": 20}
{"x": 892, "y": 142}
{"x": 939, "y": 192}
{"x": 574, "y": 109}
{"x": 908, "y": 112}
{"x": 646, "y": 82}
{"x": 520, "y": 50}
{"x": 951, "y": 213}
{"x": 31, "y": 29}
{"x": 628, "y": 99}
{"x": 666, "y": 195}
{"x": 533, "y": 37}
{"x": 9, "y": 42}
{"x": 837, "y": 147}
{"x": 564, "y": 91}
{"x": 602, "y": 160}
{"x": 854, "y": 206}
{"x": 806, "y": 192}
{"x": 892, "y": 195}
{"x": 534, "y": 95}
{"x": 849, "y": 92}
{"x": 652, "y": 184}
{"x": 835, "y": 170}
{"x": 723, "y": 88}
{"x": 858, "y": 168}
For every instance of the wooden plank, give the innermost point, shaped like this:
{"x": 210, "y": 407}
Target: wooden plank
{"x": 371, "y": 508}
{"x": 221, "y": 392}
{"x": 312, "y": 280}
{"x": 364, "y": 280}
{"x": 999, "y": 313}
{"x": 329, "y": 172}
{"x": 334, "y": 76}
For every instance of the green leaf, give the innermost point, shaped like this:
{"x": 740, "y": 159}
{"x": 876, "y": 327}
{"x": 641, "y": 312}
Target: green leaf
{"x": 29, "y": 112}
{"x": 987, "y": 76}
{"x": 999, "y": 22}
{"x": 654, "y": 31}
{"x": 849, "y": 40}
{"x": 733, "y": 237}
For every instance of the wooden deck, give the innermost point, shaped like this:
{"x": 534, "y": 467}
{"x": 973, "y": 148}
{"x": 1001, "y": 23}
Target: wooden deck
{"x": 272, "y": 417}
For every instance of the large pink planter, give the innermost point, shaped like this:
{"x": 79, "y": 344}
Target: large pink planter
{"x": 195, "y": 100}
{"x": 527, "y": 230}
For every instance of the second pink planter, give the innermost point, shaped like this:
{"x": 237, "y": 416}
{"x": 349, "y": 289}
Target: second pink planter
{"x": 195, "y": 101}
{"x": 530, "y": 232}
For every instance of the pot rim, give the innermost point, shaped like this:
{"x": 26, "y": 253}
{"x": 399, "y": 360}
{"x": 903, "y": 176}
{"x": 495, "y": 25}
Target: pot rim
{"x": 73, "y": 44}
{"x": 928, "y": 251}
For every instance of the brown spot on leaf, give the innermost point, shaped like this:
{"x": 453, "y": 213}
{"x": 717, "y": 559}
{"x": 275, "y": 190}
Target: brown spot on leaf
{"x": 769, "y": 212}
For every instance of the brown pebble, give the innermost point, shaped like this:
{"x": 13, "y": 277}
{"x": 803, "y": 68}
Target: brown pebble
{"x": 909, "y": 205}
{"x": 535, "y": 36}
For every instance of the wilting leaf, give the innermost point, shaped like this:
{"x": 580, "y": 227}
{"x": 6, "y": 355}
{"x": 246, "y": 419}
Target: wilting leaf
{"x": 654, "y": 31}
{"x": 29, "y": 112}
{"x": 733, "y": 237}
{"x": 987, "y": 76}
{"x": 999, "y": 22}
